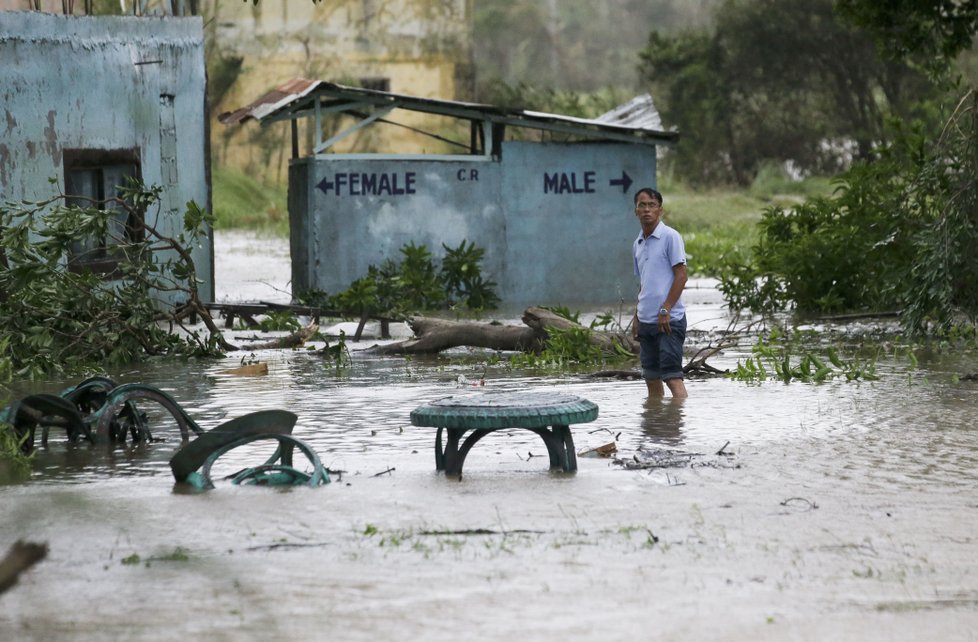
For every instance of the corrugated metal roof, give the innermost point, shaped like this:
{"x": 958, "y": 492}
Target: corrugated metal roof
{"x": 275, "y": 100}
{"x": 636, "y": 120}
{"x": 638, "y": 112}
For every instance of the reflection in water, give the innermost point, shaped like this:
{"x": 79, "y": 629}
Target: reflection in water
{"x": 663, "y": 419}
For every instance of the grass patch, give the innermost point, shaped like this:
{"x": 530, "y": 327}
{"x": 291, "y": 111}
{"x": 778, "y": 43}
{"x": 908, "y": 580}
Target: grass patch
{"x": 719, "y": 225}
{"x": 242, "y": 202}
{"x": 714, "y": 248}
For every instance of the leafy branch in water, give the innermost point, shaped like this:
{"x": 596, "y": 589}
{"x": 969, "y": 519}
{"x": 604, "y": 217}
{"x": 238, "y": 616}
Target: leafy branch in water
{"x": 575, "y": 344}
{"x": 64, "y": 314}
{"x": 772, "y": 358}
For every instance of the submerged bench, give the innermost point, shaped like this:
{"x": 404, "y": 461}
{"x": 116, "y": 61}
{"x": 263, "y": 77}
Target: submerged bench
{"x": 248, "y": 312}
{"x": 547, "y": 413}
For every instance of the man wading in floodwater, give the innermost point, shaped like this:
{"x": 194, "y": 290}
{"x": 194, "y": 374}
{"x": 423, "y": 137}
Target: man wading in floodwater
{"x": 660, "y": 319}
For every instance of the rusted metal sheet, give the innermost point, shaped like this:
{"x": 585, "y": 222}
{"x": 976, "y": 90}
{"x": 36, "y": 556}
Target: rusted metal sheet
{"x": 279, "y": 98}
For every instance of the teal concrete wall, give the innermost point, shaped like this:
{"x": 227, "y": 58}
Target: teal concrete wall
{"x": 105, "y": 83}
{"x": 556, "y": 220}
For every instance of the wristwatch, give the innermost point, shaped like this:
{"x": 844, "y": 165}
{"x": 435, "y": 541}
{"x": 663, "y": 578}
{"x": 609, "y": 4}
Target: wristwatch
{"x": 663, "y": 312}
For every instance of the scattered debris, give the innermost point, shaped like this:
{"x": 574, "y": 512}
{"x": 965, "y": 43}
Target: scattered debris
{"x": 800, "y": 503}
{"x": 481, "y": 531}
{"x": 653, "y": 458}
{"x": 657, "y": 458}
{"x": 621, "y": 375}
{"x": 674, "y": 481}
{"x": 606, "y": 450}
{"x": 294, "y": 340}
{"x": 615, "y": 435}
{"x": 252, "y": 369}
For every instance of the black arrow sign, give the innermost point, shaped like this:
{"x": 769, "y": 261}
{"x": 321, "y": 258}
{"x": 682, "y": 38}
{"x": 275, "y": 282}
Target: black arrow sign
{"x": 625, "y": 181}
{"x": 325, "y": 185}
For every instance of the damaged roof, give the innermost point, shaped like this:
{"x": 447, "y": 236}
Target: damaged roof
{"x": 636, "y": 121}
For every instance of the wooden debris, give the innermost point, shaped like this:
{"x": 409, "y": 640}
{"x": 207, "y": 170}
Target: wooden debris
{"x": 292, "y": 341}
{"x": 252, "y": 369}
{"x": 605, "y": 450}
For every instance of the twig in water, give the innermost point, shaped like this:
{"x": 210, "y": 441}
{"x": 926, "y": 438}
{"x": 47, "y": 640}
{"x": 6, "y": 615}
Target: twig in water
{"x": 720, "y": 452}
{"x": 674, "y": 481}
{"x": 384, "y": 472}
{"x": 810, "y": 505}
{"x": 272, "y": 547}
{"x": 478, "y": 531}
{"x": 339, "y": 473}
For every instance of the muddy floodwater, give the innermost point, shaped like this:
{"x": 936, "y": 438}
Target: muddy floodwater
{"x": 844, "y": 511}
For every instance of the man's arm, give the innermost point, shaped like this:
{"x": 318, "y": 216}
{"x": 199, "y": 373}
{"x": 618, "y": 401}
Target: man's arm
{"x": 679, "y": 278}
{"x": 635, "y": 318}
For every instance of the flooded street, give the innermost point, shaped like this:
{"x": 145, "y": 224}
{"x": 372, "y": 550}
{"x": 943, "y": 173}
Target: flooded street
{"x": 833, "y": 511}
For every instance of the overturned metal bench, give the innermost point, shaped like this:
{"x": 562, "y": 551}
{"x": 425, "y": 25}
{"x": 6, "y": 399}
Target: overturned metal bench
{"x": 192, "y": 464}
{"x": 96, "y": 410}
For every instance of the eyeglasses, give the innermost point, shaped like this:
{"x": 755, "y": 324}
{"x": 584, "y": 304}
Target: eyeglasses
{"x": 646, "y": 206}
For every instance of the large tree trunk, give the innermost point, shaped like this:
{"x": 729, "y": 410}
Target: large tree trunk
{"x": 435, "y": 335}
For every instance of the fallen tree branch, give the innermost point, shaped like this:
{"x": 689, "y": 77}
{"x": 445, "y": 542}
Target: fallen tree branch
{"x": 295, "y": 339}
{"x": 434, "y": 335}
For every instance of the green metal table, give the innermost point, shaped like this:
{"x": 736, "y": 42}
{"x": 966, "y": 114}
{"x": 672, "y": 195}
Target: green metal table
{"x": 547, "y": 413}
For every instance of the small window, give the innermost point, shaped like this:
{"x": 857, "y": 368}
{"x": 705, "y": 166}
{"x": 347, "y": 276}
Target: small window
{"x": 377, "y": 84}
{"x": 94, "y": 178}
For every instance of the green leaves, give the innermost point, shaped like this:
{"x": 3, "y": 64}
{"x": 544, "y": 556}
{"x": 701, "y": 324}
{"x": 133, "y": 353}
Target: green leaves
{"x": 931, "y": 34}
{"x": 195, "y": 218}
{"x": 416, "y": 283}
{"x": 462, "y": 278}
{"x": 61, "y": 317}
{"x": 790, "y": 360}
{"x": 775, "y": 80}
{"x": 574, "y": 345}
{"x": 570, "y": 346}
{"x": 898, "y": 235}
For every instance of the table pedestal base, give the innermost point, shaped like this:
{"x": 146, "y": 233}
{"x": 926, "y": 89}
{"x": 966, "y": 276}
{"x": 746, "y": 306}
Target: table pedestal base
{"x": 558, "y": 439}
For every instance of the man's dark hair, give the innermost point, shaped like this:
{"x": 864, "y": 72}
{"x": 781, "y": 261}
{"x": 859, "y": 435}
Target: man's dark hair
{"x": 648, "y": 191}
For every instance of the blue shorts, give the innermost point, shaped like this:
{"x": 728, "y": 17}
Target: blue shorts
{"x": 662, "y": 354}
